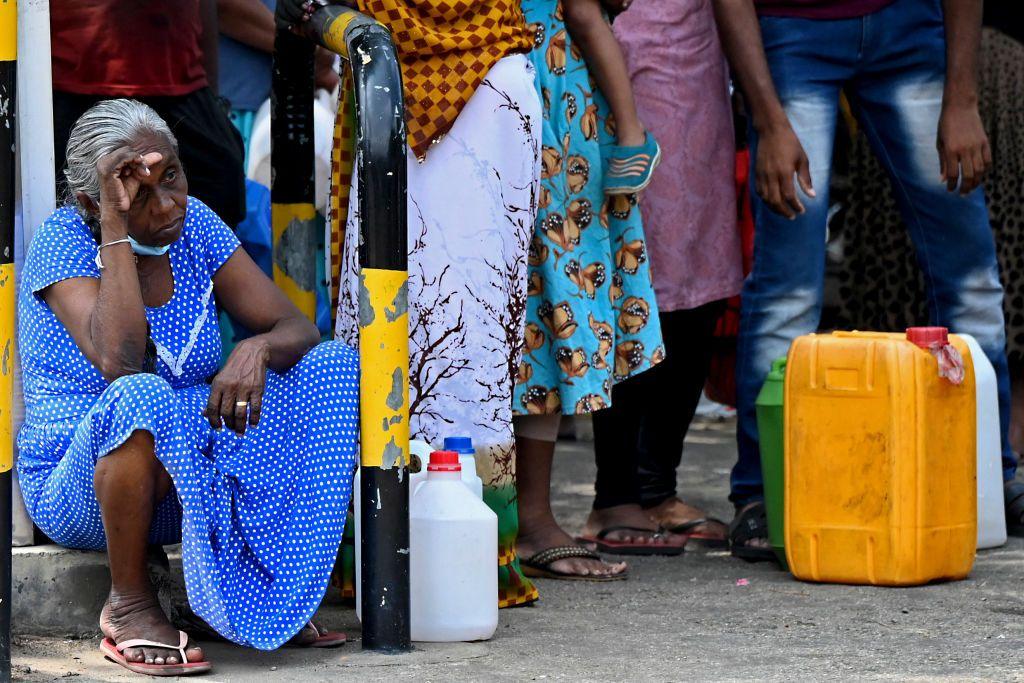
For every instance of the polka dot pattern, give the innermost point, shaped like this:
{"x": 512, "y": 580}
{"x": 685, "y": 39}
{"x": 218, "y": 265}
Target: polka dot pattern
{"x": 260, "y": 517}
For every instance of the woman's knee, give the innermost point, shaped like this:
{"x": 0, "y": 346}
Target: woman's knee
{"x": 142, "y": 389}
{"x": 332, "y": 358}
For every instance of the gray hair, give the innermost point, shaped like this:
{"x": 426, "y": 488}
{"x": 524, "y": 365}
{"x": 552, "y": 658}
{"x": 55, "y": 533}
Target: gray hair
{"x": 107, "y": 125}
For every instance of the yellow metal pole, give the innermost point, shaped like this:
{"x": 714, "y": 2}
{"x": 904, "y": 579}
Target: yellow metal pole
{"x": 293, "y": 216}
{"x": 8, "y": 69}
{"x": 380, "y": 166}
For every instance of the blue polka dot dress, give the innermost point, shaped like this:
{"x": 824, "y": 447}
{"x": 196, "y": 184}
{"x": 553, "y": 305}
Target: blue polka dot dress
{"x": 260, "y": 516}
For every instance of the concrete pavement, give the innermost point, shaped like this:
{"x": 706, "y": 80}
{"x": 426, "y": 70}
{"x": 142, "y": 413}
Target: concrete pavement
{"x": 676, "y": 619}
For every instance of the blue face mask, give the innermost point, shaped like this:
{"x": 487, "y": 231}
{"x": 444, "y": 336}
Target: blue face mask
{"x": 146, "y": 250}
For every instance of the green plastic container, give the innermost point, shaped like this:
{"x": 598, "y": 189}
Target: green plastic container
{"x": 770, "y": 428}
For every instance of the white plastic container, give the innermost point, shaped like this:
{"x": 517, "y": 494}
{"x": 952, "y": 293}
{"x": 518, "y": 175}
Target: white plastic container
{"x": 453, "y": 542}
{"x": 463, "y": 445}
{"x": 991, "y": 513}
{"x": 417, "y": 449}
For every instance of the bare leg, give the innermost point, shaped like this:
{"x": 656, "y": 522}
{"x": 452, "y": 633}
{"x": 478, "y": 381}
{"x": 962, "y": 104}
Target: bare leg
{"x": 606, "y": 63}
{"x": 538, "y": 529}
{"x": 129, "y": 483}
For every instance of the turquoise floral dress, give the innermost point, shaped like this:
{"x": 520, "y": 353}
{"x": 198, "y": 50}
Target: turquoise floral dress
{"x": 592, "y": 319}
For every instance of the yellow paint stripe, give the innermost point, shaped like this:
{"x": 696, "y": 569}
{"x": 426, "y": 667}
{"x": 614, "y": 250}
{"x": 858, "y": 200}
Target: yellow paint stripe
{"x": 334, "y": 34}
{"x": 282, "y": 215}
{"x": 7, "y": 351}
{"x": 384, "y": 369}
{"x": 8, "y": 30}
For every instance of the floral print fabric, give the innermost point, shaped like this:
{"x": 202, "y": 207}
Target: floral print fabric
{"x": 592, "y": 319}
{"x": 471, "y": 215}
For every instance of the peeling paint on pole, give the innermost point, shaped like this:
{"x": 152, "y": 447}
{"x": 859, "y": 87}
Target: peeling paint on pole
{"x": 384, "y": 383}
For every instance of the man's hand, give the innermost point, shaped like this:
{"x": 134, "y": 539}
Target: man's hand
{"x": 964, "y": 151}
{"x": 780, "y": 157}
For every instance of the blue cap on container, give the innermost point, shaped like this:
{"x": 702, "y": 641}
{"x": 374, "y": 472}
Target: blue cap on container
{"x": 459, "y": 444}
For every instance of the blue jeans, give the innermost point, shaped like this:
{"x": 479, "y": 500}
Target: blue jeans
{"x": 891, "y": 64}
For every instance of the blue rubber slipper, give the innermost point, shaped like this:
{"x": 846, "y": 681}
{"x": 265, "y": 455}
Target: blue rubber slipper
{"x": 630, "y": 169}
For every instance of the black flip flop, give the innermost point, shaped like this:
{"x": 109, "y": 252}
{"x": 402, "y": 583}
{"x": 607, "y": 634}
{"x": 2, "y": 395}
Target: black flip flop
{"x": 750, "y": 523}
{"x": 601, "y": 543}
{"x": 686, "y": 529}
{"x": 1013, "y": 495}
{"x": 538, "y": 565}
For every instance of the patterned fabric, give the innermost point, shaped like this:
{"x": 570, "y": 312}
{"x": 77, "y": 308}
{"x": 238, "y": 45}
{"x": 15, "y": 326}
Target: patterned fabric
{"x": 445, "y": 50}
{"x": 592, "y": 319}
{"x": 468, "y": 245}
{"x": 259, "y": 516}
{"x": 342, "y": 162}
{"x": 446, "y": 47}
{"x": 680, "y": 83}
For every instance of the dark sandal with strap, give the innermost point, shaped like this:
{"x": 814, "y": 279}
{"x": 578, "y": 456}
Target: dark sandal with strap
{"x": 1013, "y": 495}
{"x": 603, "y": 544}
{"x": 750, "y": 524}
{"x": 704, "y": 539}
{"x": 538, "y": 565}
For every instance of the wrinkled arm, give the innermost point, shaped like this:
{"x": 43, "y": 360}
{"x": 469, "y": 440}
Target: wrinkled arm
{"x": 283, "y": 337}
{"x": 105, "y": 317}
{"x": 249, "y": 296}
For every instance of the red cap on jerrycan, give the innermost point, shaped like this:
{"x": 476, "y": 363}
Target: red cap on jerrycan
{"x": 926, "y": 337}
{"x": 444, "y": 461}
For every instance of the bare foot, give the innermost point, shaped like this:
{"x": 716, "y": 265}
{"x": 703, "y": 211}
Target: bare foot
{"x": 127, "y": 616}
{"x": 630, "y": 516}
{"x": 673, "y": 513}
{"x": 533, "y": 541}
{"x": 308, "y": 634}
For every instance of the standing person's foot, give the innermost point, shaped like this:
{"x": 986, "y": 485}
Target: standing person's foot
{"x": 676, "y": 516}
{"x": 157, "y": 648}
{"x": 549, "y": 552}
{"x": 627, "y": 530}
{"x": 630, "y": 167}
{"x": 748, "y": 534}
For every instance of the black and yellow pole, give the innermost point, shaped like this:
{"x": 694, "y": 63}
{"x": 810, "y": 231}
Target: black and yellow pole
{"x": 380, "y": 157}
{"x": 291, "y": 181}
{"x": 380, "y": 168}
{"x": 8, "y": 66}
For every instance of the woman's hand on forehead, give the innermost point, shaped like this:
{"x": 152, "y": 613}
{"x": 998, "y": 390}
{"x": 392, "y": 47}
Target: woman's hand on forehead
{"x": 121, "y": 173}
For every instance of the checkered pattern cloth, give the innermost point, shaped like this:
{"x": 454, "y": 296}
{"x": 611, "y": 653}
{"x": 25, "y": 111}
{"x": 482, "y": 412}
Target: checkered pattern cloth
{"x": 446, "y": 48}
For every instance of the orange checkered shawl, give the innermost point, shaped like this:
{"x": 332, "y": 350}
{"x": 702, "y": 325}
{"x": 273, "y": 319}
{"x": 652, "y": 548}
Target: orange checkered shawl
{"x": 446, "y": 48}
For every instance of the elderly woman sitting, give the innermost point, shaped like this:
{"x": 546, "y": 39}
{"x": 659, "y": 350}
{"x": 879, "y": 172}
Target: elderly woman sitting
{"x": 135, "y": 435}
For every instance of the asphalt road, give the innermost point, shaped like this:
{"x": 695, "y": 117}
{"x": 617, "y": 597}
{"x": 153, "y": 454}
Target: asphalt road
{"x": 702, "y": 616}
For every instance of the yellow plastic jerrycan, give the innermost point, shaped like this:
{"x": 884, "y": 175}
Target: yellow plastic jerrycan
{"x": 880, "y": 459}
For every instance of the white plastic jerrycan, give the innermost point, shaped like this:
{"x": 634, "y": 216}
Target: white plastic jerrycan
{"x": 463, "y": 445}
{"x": 419, "y": 453}
{"x": 453, "y": 542}
{"x": 991, "y": 513}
